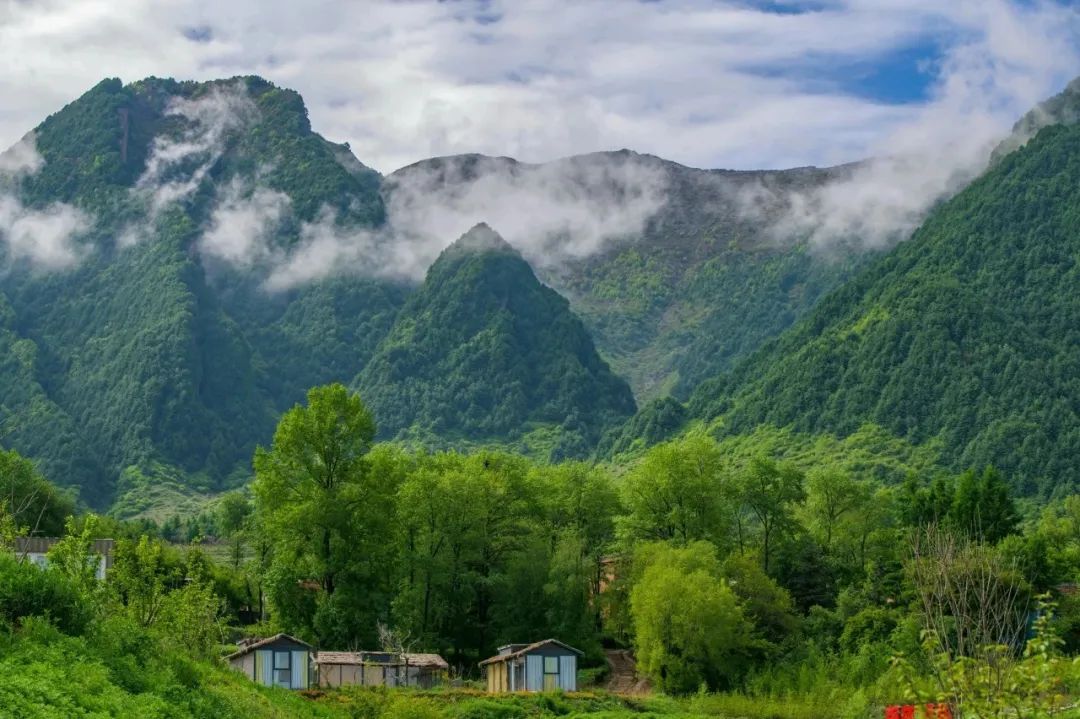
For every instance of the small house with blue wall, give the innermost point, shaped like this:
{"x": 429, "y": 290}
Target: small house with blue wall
{"x": 543, "y": 666}
{"x": 277, "y": 661}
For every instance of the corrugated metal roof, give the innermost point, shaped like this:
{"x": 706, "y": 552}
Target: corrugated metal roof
{"x": 527, "y": 649}
{"x": 41, "y": 545}
{"x": 427, "y": 660}
{"x": 413, "y": 660}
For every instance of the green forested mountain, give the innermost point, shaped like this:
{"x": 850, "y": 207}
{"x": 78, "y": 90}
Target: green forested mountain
{"x": 966, "y": 334}
{"x": 146, "y": 354}
{"x": 229, "y": 257}
{"x": 226, "y": 260}
{"x": 483, "y": 350}
{"x": 699, "y": 284}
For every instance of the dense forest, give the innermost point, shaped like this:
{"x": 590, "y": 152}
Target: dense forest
{"x": 483, "y": 350}
{"x": 799, "y": 574}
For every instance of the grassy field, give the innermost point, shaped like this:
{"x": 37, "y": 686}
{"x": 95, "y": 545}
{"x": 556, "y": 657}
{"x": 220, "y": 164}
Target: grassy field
{"x": 381, "y": 703}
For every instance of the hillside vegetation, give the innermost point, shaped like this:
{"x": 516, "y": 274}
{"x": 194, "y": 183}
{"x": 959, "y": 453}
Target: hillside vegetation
{"x": 483, "y": 350}
{"x": 770, "y": 575}
{"x": 964, "y": 335}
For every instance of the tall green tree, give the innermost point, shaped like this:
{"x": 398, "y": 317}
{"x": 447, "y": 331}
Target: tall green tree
{"x": 771, "y": 491}
{"x": 327, "y": 516}
{"x": 982, "y": 505}
{"x": 689, "y": 627}
{"x": 679, "y": 492}
{"x": 28, "y": 501}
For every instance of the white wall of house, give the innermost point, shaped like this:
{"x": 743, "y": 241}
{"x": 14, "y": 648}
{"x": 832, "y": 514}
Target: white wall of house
{"x": 42, "y": 560}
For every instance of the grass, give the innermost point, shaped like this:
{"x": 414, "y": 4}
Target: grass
{"x": 452, "y": 703}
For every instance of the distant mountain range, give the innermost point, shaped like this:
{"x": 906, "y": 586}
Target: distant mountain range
{"x": 185, "y": 259}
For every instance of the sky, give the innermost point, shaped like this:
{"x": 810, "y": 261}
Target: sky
{"x": 708, "y": 83}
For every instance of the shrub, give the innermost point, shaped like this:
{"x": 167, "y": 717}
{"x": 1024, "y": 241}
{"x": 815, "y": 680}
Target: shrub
{"x": 485, "y": 709}
{"x": 27, "y": 591}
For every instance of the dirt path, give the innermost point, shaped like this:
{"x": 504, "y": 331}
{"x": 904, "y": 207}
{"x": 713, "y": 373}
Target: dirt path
{"x": 624, "y": 678}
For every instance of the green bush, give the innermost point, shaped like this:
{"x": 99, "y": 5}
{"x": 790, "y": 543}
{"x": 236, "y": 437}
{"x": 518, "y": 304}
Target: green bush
{"x": 485, "y": 709}
{"x": 28, "y": 591}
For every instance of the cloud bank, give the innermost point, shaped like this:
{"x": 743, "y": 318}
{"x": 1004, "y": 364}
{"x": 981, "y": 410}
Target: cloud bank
{"x": 982, "y": 85}
{"x": 242, "y": 225}
{"x": 708, "y": 83}
{"x": 552, "y": 213}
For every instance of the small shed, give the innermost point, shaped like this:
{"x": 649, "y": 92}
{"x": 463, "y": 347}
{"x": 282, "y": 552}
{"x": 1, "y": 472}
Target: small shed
{"x": 277, "y": 661}
{"x": 337, "y": 669}
{"x": 543, "y": 666}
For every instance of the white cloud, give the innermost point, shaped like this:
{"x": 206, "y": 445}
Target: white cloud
{"x": 43, "y": 236}
{"x": 710, "y": 83}
{"x": 703, "y": 82}
{"x": 551, "y": 213}
{"x": 325, "y": 249}
{"x": 984, "y": 82}
{"x": 242, "y": 225}
{"x": 22, "y": 158}
{"x": 178, "y": 164}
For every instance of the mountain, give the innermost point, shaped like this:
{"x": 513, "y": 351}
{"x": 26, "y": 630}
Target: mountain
{"x": 966, "y": 335}
{"x": 484, "y": 351}
{"x": 676, "y": 272}
{"x": 147, "y": 352}
{"x": 183, "y": 260}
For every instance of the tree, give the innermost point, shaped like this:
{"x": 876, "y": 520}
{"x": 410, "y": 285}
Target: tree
{"x": 29, "y": 502}
{"x": 327, "y": 516}
{"x": 770, "y": 490}
{"x": 678, "y": 492}
{"x": 73, "y": 555}
{"x": 765, "y": 602}
{"x": 974, "y": 607}
{"x": 141, "y": 576}
{"x": 233, "y": 512}
{"x": 582, "y": 506}
{"x": 569, "y": 594}
{"x": 982, "y": 506}
{"x": 831, "y": 498}
{"x": 435, "y": 517}
{"x": 689, "y": 627}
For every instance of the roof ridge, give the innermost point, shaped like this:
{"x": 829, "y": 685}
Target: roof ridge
{"x": 263, "y": 642}
{"x": 528, "y": 648}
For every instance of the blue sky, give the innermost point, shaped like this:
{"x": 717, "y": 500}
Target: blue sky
{"x": 713, "y": 83}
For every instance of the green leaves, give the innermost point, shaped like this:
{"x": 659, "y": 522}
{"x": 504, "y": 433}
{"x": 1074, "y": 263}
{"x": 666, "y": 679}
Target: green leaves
{"x": 689, "y": 626}
{"x": 320, "y": 506}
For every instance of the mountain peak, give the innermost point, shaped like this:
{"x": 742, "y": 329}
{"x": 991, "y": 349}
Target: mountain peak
{"x": 481, "y": 238}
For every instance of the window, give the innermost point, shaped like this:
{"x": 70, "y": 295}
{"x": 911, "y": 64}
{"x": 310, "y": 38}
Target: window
{"x": 551, "y": 673}
{"x": 283, "y": 669}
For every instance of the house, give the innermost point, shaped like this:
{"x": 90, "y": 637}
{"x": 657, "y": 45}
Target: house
{"x": 543, "y": 666}
{"x": 277, "y": 661}
{"x": 36, "y": 550}
{"x": 338, "y": 669}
